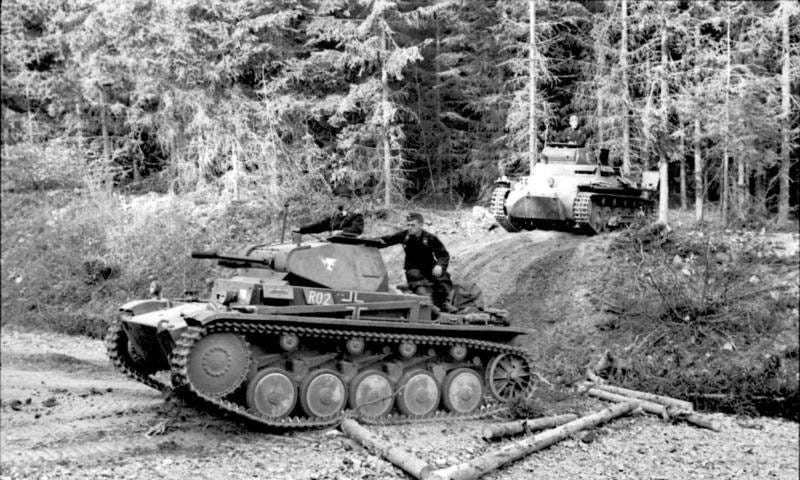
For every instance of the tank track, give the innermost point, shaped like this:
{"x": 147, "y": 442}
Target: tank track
{"x": 498, "y": 209}
{"x": 587, "y": 203}
{"x": 581, "y": 208}
{"x": 185, "y": 343}
{"x": 117, "y": 350}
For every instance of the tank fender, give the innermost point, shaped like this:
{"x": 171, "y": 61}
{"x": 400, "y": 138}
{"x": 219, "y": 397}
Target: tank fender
{"x": 201, "y": 318}
{"x": 139, "y": 307}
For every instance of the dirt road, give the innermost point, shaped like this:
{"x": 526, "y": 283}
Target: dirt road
{"x": 67, "y": 414}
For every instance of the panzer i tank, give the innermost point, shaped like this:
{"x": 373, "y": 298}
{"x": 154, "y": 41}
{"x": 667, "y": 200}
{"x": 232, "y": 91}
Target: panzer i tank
{"x": 569, "y": 187}
{"x": 307, "y": 333}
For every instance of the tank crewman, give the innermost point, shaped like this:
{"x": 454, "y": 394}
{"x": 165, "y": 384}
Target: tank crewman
{"x": 575, "y": 134}
{"x": 351, "y": 223}
{"x": 426, "y": 260}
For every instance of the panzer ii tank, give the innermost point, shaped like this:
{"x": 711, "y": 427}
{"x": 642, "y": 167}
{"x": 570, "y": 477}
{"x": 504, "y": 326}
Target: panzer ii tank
{"x": 569, "y": 187}
{"x": 305, "y": 333}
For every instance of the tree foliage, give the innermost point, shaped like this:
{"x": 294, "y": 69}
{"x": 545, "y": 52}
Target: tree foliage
{"x": 395, "y": 99}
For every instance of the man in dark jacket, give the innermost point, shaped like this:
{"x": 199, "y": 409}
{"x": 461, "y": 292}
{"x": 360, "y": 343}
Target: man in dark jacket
{"x": 575, "y": 134}
{"x": 426, "y": 261}
{"x": 350, "y": 223}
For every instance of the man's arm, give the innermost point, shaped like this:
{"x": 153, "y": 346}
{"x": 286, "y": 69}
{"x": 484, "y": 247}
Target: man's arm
{"x": 439, "y": 252}
{"x": 353, "y": 223}
{"x": 393, "y": 239}
{"x": 323, "y": 225}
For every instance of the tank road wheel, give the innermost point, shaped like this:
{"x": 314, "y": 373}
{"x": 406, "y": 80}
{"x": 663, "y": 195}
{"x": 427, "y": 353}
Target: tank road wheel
{"x": 218, "y": 363}
{"x": 322, "y": 393}
{"x": 462, "y": 390}
{"x": 272, "y": 393}
{"x": 508, "y": 376}
{"x": 371, "y": 394}
{"x": 418, "y": 393}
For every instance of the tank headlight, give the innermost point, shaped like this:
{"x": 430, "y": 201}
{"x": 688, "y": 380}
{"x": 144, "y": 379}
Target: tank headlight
{"x": 550, "y": 182}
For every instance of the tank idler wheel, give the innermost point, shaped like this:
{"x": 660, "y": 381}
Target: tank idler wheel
{"x": 272, "y": 393}
{"x": 462, "y": 390}
{"x": 418, "y": 393}
{"x": 322, "y": 393}
{"x": 371, "y": 394}
{"x": 508, "y": 376}
{"x": 218, "y": 363}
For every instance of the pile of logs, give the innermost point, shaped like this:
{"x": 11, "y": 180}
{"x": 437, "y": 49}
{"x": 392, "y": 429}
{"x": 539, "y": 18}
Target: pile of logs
{"x": 556, "y": 428}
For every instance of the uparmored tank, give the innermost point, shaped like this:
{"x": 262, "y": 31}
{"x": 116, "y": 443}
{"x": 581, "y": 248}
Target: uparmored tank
{"x": 305, "y": 333}
{"x": 569, "y": 187}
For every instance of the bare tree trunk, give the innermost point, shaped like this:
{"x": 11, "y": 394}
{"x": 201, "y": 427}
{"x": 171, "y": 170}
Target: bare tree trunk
{"x": 398, "y": 456}
{"x": 783, "y": 196}
{"x": 439, "y": 166}
{"x": 601, "y": 70}
{"x": 236, "y": 169}
{"x": 510, "y": 452}
{"x": 387, "y": 154}
{"x": 507, "y": 429}
{"x": 30, "y": 115}
{"x": 663, "y": 161}
{"x": 699, "y": 184}
{"x": 725, "y": 159}
{"x": 532, "y": 140}
{"x": 108, "y": 181}
{"x": 623, "y": 65}
{"x": 684, "y": 196}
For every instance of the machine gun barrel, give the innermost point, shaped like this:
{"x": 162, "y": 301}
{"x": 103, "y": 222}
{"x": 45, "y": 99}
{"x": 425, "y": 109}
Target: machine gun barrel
{"x": 213, "y": 255}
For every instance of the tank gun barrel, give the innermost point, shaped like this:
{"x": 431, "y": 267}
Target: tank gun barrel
{"x": 225, "y": 258}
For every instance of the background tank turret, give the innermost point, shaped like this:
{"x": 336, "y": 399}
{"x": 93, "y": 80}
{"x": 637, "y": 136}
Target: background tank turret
{"x": 568, "y": 186}
{"x": 304, "y": 333}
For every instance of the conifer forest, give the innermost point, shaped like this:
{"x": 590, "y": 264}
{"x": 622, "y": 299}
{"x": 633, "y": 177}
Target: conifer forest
{"x": 404, "y": 99}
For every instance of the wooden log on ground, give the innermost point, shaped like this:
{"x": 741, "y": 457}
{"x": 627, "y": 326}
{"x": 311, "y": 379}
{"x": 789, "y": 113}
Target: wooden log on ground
{"x": 416, "y": 467}
{"x": 645, "y": 405}
{"x": 507, "y": 429}
{"x": 651, "y": 397}
{"x": 695, "y": 419}
{"x": 516, "y": 450}
{"x": 592, "y": 377}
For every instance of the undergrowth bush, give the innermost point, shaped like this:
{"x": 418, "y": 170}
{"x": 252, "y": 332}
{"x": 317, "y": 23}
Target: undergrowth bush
{"x": 70, "y": 260}
{"x": 703, "y": 316}
{"x": 43, "y": 166}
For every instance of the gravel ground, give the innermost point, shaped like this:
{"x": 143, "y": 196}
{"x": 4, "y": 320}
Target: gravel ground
{"x": 67, "y": 414}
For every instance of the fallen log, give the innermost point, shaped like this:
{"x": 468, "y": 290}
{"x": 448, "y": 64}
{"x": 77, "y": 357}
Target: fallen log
{"x": 516, "y": 450}
{"x": 652, "y": 397}
{"x": 411, "y": 464}
{"x": 645, "y": 405}
{"x": 530, "y": 425}
{"x": 694, "y": 419}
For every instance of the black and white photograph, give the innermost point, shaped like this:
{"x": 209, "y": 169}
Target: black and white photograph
{"x": 400, "y": 239}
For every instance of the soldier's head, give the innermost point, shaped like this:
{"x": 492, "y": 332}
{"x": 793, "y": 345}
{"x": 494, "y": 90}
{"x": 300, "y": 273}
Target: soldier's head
{"x": 573, "y": 121}
{"x": 414, "y": 223}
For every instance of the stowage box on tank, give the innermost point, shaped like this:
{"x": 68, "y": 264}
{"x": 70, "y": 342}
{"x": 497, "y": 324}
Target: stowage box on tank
{"x": 305, "y": 333}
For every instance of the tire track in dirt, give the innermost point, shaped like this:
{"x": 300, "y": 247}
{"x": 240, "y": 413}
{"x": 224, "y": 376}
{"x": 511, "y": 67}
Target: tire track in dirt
{"x": 97, "y": 451}
{"x": 498, "y": 273}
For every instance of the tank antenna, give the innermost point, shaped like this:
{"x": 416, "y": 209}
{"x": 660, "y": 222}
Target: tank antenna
{"x": 285, "y": 212}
